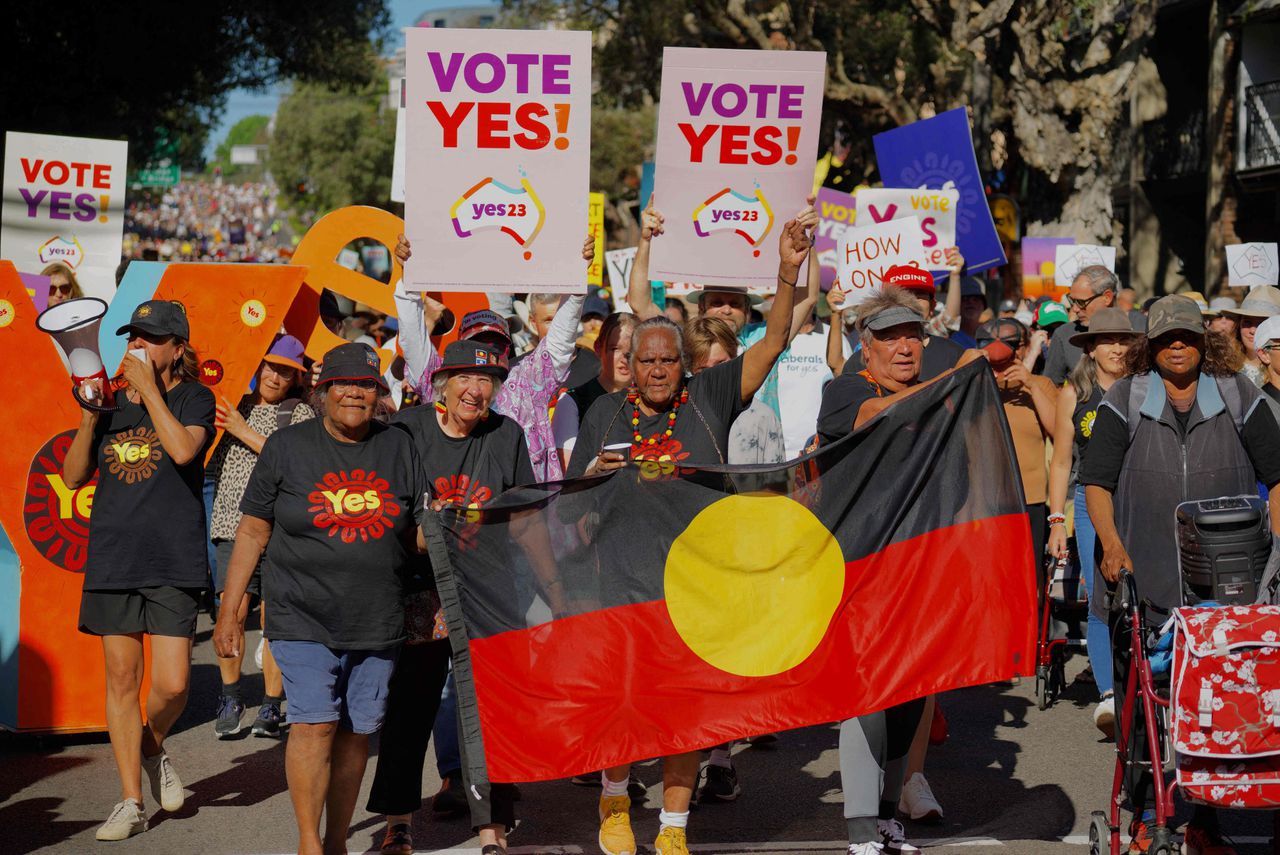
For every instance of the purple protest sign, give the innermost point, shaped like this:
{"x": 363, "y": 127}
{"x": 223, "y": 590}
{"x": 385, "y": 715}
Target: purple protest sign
{"x": 737, "y": 141}
{"x": 836, "y": 210}
{"x": 38, "y": 287}
{"x": 937, "y": 154}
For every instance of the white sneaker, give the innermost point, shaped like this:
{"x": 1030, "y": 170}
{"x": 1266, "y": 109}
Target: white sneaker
{"x": 1104, "y": 716}
{"x": 126, "y": 820}
{"x": 868, "y": 848}
{"x": 894, "y": 837}
{"x": 917, "y": 800}
{"x": 166, "y": 787}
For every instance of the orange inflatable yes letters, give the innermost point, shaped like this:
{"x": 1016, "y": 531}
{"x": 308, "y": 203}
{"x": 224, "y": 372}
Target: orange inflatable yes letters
{"x": 319, "y": 249}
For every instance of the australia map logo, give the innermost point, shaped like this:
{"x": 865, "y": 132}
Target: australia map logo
{"x": 490, "y": 205}
{"x": 749, "y": 217}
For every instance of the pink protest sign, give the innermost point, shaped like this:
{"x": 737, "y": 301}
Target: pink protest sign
{"x": 737, "y": 141}
{"x": 497, "y": 159}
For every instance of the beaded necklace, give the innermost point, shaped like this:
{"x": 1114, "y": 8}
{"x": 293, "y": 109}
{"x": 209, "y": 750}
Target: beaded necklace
{"x": 634, "y": 398}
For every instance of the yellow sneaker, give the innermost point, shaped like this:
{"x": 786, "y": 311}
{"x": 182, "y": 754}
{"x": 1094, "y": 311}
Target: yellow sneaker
{"x": 671, "y": 842}
{"x": 615, "y": 826}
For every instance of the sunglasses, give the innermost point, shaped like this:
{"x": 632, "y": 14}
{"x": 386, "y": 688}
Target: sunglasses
{"x": 59, "y": 289}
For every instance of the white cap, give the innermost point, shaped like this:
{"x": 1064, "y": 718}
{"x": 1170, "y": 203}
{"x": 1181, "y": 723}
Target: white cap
{"x": 1267, "y": 332}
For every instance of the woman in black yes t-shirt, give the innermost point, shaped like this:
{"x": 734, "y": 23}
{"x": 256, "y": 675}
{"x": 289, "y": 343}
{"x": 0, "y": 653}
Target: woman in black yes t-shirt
{"x": 470, "y": 456}
{"x": 147, "y": 546}
{"x": 338, "y": 499}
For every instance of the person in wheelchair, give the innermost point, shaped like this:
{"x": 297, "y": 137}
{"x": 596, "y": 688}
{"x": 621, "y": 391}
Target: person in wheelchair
{"x": 1183, "y": 426}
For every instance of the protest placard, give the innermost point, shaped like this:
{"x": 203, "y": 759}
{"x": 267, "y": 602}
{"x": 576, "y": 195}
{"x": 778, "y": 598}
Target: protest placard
{"x": 618, "y": 262}
{"x": 935, "y": 209}
{"x": 836, "y": 212}
{"x": 937, "y": 154}
{"x": 64, "y": 201}
{"x": 595, "y": 228}
{"x": 1038, "y": 256}
{"x": 867, "y": 251}
{"x": 1070, "y": 259}
{"x": 497, "y": 158}
{"x": 737, "y": 140}
{"x": 1252, "y": 264}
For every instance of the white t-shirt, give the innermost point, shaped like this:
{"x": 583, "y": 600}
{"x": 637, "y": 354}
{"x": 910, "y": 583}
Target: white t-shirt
{"x": 802, "y": 373}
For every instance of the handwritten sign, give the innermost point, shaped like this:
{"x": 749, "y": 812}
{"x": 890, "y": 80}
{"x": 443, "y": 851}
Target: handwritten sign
{"x": 737, "y": 140}
{"x": 618, "y": 262}
{"x": 1250, "y": 265}
{"x": 497, "y": 158}
{"x": 595, "y": 228}
{"x": 64, "y": 201}
{"x": 935, "y": 209}
{"x": 1070, "y": 259}
{"x": 867, "y": 251}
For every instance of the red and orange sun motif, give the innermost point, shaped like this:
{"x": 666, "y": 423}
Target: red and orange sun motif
{"x": 356, "y": 505}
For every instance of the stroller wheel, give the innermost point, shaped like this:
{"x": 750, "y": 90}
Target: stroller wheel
{"x": 1042, "y": 687}
{"x": 1162, "y": 842}
{"x": 1099, "y": 834}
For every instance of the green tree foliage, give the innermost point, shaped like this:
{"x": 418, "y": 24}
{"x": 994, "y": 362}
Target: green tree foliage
{"x": 125, "y": 71}
{"x": 251, "y": 130}
{"x": 333, "y": 148}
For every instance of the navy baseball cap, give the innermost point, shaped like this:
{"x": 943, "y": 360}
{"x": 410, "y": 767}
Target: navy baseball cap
{"x": 353, "y": 361}
{"x": 471, "y": 355}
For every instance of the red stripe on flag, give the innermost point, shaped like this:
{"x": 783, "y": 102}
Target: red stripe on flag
{"x": 954, "y": 607}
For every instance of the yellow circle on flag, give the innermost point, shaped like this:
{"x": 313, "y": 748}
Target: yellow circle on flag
{"x": 253, "y": 313}
{"x": 7, "y": 313}
{"x": 753, "y": 582}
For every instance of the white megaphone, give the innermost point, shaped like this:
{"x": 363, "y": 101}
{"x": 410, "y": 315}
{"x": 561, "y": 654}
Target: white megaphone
{"x": 74, "y": 327}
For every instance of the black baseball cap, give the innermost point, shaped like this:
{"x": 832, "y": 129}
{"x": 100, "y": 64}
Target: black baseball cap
{"x": 471, "y": 355}
{"x": 353, "y": 361}
{"x": 159, "y": 317}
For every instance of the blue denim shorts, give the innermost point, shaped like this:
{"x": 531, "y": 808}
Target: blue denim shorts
{"x": 346, "y": 686}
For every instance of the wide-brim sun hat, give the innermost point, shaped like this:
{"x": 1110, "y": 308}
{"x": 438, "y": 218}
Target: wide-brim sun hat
{"x": 1108, "y": 321}
{"x": 693, "y": 296}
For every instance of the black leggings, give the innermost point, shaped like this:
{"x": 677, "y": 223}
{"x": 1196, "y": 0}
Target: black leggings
{"x": 414, "y": 698}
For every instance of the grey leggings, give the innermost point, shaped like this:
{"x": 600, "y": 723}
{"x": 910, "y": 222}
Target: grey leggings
{"x": 873, "y": 763}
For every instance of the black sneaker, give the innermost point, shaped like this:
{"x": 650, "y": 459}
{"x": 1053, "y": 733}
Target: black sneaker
{"x": 268, "y": 721}
{"x": 719, "y": 784}
{"x": 229, "y": 712}
{"x": 451, "y": 800}
{"x": 636, "y": 789}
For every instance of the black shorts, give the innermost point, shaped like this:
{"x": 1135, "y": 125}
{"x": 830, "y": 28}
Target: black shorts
{"x": 165, "y": 610}
{"x": 222, "y": 550}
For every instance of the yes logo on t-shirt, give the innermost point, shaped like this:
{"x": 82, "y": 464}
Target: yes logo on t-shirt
{"x": 133, "y": 455}
{"x": 356, "y": 505}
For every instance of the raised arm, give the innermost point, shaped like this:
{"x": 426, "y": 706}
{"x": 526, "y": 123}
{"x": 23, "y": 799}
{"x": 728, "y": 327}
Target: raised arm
{"x": 835, "y": 335}
{"x": 639, "y": 294}
{"x": 951, "y": 308}
{"x": 1064, "y": 435}
{"x": 793, "y": 246}
{"x": 418, "y": 314}
{"x": 813, "y": 287}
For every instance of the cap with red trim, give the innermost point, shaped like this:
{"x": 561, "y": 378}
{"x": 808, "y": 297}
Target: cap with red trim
{"x": 910, "y": 277}
{"x": 483, "y": 320}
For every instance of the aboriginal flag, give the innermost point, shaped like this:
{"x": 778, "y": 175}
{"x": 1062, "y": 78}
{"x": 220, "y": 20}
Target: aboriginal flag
{"x": 708, "y": 604}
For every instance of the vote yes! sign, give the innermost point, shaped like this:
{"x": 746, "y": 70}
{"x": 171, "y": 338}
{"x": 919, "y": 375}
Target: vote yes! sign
{"x": 934, "y": 209}
{"x": 497, "y": 156}
{"x": 64, "y": 201}
{"x": 737, "y": 140}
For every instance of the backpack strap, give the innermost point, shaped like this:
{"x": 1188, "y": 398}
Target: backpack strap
{"x": 284, "y": 416}
{"x": 1138, "y": 387}
{"x": 1233, "y": 398}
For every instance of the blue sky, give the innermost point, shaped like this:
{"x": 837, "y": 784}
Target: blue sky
{"x": 246, "y": 102}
